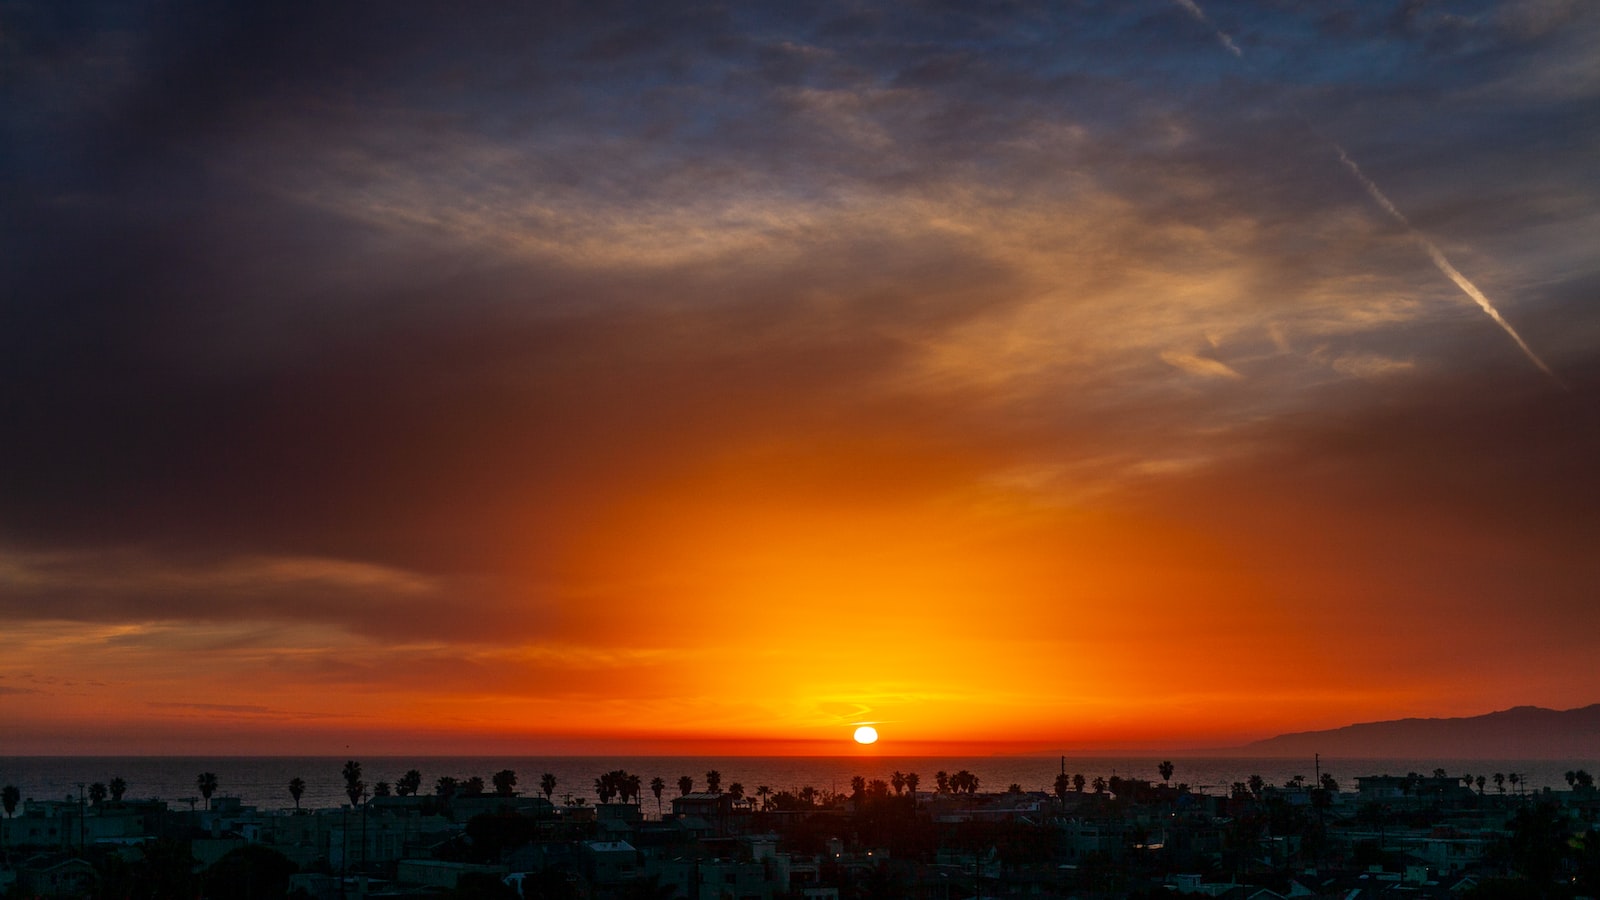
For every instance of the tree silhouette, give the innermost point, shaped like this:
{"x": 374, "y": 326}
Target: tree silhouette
{"x": 297, "y": 789}
{"x": 97, "y": 793}
{"x": 605, "y": 788}
{"x": 1099, "y": 784}
{"x": 354, "y": 787}
{"x": 912, "y": 781}
{"x": 118, "y": 787}
{"x": 1257, "y": 785}
{"x": 941, "y": 780}
{"x": 1063, "y": 784}
{"x": 9, "y": 798}
{"x": 207, "y": 783}
{"x": 505, "y": 783}
{"x": 547, "y": 783}
{"x": 1500, "y": 782}
{"x": 1166, "y": 770}
{"x": 736, "y": 791}
{"x": 409, "y": 783}
{"x": 633, "y": 786}
{"x": 657, "y": 785}
{"x": 714, "y": 781}
{"x": 1078, "y": 781}
{"x": 253, "y": 870}
{"x": 898, "y": 780}
{"x": 964, "y": 781}
{"x": 1480, "y": 781}
{"x": 764, "y": 795}
{"x": 473, "y": 786}
{"x": 381, "y": 789}
{"x": 685, "y": 785}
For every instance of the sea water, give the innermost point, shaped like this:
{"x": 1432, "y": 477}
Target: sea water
{"x": 263, "y": 782}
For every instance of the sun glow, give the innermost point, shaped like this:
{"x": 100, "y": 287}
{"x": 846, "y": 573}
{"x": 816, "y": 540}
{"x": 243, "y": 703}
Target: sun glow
{"x": 866, "y": 734}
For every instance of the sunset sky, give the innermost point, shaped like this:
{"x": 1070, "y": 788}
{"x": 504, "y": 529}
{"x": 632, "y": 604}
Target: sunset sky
{"x": 663, "y": 377}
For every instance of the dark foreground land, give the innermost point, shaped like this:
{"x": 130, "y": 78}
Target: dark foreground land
{"x": 1409, "y": 836}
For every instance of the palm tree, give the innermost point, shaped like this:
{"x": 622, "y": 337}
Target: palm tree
{"x": 657, "y": 785}
{"x": 1166, "y": 770}
{"x": 381, "y": 789}
{"x": 858, "y": 786}
{"x": 118, "y": 788}
{"x": 207, "y": 783}
{"x": 764, "y": 795}
{"x": 354, "y": 787}
{"x": 958, "y": 781}
{"x": 1500, "y": 782}
{"x": 1078, "y": 781}
{"x": 632, "y": 786}
{"x": 736, "y": 791}
{"x": 297, "y": 789}
{"x": 1063, "y": 784}
{"x": 9, "y": 798}
{"x": 97, "y": 793}
{"x": 505, "y": 783}
{"x": 605, "y": 788}
{"x": 941, "y": 780}
{"x": 409, "y": 783}
{"x": 912, "y": 780}
{"x": 685, "y": 785}
{"x": 473, "y": 786}
{"x": 714, "y": 781}
{"x": 1572, "y": 779}
{"x": 898, "y": 780}
{"x": 1479, "y": 781}
{"x": 547, "y": 783}
{"x": 1099, "y": 784}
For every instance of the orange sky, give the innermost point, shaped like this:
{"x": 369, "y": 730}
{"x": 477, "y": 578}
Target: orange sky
{"x": 714, "y": 383}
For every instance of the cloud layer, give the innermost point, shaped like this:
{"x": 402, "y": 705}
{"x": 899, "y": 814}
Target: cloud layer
{"x": 522, "y": 371}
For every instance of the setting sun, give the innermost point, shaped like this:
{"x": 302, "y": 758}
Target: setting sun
{"x": 866, "y": 734}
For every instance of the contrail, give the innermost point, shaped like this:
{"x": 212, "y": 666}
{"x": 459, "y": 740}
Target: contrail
{"x": 1200, "y": 14}
{"x": 1443, "y": 264}
{"x": 1382, "y": 199}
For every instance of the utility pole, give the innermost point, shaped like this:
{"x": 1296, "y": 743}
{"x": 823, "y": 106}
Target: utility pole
{"x": 81, "y": 811}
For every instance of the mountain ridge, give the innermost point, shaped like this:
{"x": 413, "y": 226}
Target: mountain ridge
{"x": 1519, "y": 732}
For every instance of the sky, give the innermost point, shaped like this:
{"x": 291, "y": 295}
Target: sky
{"x": 671, "y": 377}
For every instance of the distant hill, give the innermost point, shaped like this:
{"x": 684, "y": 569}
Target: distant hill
{"x": 1523, "y": 732}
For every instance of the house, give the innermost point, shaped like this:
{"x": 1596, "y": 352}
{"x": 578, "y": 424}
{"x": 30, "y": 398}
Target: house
{"x": 56, "y": 875}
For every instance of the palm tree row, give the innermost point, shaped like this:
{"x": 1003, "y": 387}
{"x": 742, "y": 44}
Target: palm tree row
{"x": 621, "y": 785}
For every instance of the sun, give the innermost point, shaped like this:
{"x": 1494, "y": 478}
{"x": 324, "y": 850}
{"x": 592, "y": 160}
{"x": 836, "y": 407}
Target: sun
{"x": 866, "y": 734}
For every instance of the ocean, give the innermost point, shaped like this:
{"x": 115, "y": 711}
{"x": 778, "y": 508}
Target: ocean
{"x": 263, "y": 782}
